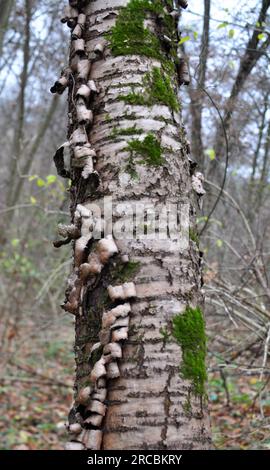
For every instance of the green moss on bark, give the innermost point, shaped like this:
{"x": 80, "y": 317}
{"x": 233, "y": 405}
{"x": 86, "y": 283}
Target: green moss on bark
{"x": 158, "y": 90}
{"x": 127, "y": 131}
{"x": 126, "y": 271}
{"x": 130, "y": 36}
{"x": 161, "y": 89}
{"x": 193, "y": 235}
{"x": 149, "y": 149}
{"x": 189, "y": 332}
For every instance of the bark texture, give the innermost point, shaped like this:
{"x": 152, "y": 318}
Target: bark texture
{"x": 127, "y": 141}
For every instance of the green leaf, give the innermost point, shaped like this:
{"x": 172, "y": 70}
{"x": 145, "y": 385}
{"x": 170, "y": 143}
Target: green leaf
{"x": 33, "y": 200}
{"x": 219, "y": 243}
{"x": 15, "y": 242}
{"x": 24, "y": 436}
{"x": 51, "y": 179}
{"x": 231, "y": 33}
{"x": 40, "y": 182}
{"x": 199, "y": 220}
{"x": 222, "y": 25}
{"x": 32, "y": 177}
{"x": 261, "y": 36}
{"x": 231, "y": 64}
{"x": 184, "y": 39}
{"x": 195, "y": 35}
{"x": 210, "y": 153}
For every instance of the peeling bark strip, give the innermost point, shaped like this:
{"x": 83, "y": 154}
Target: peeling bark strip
{"x": 127, "y": 141}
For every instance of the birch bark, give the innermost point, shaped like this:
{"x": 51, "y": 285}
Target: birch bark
{"x": 143, "y": 399}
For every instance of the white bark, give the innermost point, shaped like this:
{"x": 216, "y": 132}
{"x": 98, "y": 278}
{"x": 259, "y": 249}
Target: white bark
{"x": 137, "y": 371}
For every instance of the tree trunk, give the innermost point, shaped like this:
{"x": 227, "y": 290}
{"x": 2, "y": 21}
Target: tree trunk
{"x": 197, "y": 93}
{"x": 140, "y": 343}
{"x": 5, "y": 8}
{"x": 253, "y": 52}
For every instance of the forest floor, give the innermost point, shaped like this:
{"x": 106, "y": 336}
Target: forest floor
{"x": 35, "y": 400}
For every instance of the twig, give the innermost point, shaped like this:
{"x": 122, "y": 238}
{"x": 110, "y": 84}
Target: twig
{"x": 265, "y": 354}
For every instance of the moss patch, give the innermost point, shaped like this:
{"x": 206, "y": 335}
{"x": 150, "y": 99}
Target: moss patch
{"x": 149, "y": 149}
{"x": 161, "y": 89}
{"x": 129, "y": 35}
{"x": 189, "y": 332}
{"x": 165, "y": 335}
{"x": 187, "y": 407}
{"x": 193, "y": 235}
{"x": 126, "y": 272}
{"x": 133, "y": 98}
{"x": 127, "y": 131}
{"x": 158, "y": 89}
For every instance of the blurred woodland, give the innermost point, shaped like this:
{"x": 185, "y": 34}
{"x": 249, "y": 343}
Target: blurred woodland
{"x": 227, "y": 116}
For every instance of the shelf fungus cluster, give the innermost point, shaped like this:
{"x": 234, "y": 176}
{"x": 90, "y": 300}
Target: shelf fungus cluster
{"x": 85, "y": 425}
{"x": 90, "y": 405}
{"x": 87, "y": 264}
{"x": 82, "y": 88}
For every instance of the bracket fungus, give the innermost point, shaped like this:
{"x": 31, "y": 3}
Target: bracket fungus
{"x": 75, "y": 428}
{"x": 83, "y": 69}
{"x": 71, "y": 231}
{"x": 59, "y": 161}
{"x": 125, "y": 291}
{"x": 112, "y": 370}
{"x": 121, "y": 334}
{"x": 98, "y": 370}
{"x": 92, "y": 438}
{"x": 61, "y": 84}
{"x": 183, "y": 72}
{"x": 70, "y": 16}
{"x": 78, "y": 137}
{"x": 78, "y": 30}
{"x": 99, "y": 49}
{"x": 74, "y": 446}
{"x": 84, "y": 91}
{"x": 84, "y": 115}
{"x": 84, "y": 395}
{"x": 79, "y": 46}
{"x": 91, "y": 255}
{"x": 183, "y": 3}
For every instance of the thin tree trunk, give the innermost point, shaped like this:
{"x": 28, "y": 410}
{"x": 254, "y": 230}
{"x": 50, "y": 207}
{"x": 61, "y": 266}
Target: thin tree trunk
{"x": 253, "y": 52}
{"x": 18, "y": 137}
{"x": 5, "y": 9}
{"x": 262, "y": 185}
{"x": 253, "y": 187}
{"x": 258, "y": 147}
{"x": 197, "y": 92}
{"x": 140, "y": 344}
{"x": 34, "y": 148}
